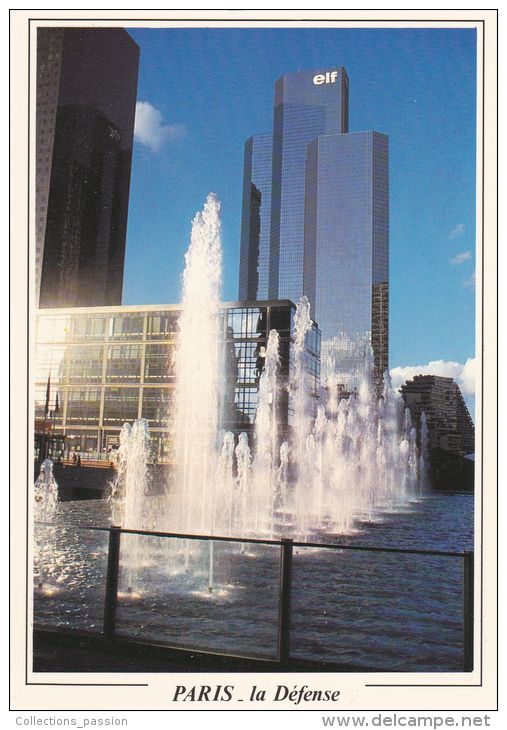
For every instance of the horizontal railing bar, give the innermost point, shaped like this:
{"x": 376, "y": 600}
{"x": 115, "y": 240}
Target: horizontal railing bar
{"x": 258, "y": 541}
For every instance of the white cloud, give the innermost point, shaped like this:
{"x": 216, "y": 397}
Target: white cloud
{"x": 458, "y": 230}
{"x": 462, "y": 373}
{"x": 150, "y": 129}
{"x": 470, "y": 282}
{"x": 460, "y": 258}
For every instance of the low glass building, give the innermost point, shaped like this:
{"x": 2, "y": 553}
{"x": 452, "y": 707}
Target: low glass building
{"x": 98, "y": 368}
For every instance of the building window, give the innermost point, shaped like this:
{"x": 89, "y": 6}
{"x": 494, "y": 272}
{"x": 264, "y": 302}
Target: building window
{"x": 124, "y": 363}
{"x": 126, "y": 327}
{"x": 245, "y": 401}
{"x": 281, "y": 319}
{"x": 49, "y": 362}
{"x": 248, "y": 363}
{"x": 156, "y": 406}
{"x": 162, "y": 325}
{"x": 53, "y": 415}
{"x": 158, "y": 364}
{"x": 85, "y": 364}
{"x": 246, "y": 322}
{"x": 120, "y": 405}
{"x": 89, "y": 328}
{"x": 83, "y": 406}
{"x": 53, "y": 329}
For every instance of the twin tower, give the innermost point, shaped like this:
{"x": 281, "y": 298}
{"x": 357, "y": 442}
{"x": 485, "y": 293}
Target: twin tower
{"x": 315, "y": 219}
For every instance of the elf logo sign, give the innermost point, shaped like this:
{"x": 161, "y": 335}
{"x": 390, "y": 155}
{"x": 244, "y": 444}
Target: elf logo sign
{"x": 328, "y": 78}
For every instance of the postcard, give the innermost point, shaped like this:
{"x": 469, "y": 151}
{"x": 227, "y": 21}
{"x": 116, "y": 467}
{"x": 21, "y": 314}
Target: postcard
{"x": 254, "y": 346}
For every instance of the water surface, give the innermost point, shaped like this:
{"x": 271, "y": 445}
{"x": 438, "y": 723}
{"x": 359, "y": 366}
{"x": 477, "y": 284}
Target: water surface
{"x": 369, "y": 609}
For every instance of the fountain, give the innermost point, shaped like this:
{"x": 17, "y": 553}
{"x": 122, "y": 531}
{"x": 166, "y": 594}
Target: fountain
{"x": 45, "y": 498}
{"x": 263, "y": 475}
{"x": 346, "y": 460}
{"x": 132, "y": 506}
{"x": 346, "y": 464}
{"x": 423, "y": 455}
{"x": 193, "y": 504}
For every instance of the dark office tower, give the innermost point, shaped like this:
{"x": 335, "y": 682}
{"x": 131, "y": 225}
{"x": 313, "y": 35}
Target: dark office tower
{"x": 307, "y": 104}
{"x": 86, "y": 97}
{"x": 346, "y": 255}
{"x": 255, "y": 217}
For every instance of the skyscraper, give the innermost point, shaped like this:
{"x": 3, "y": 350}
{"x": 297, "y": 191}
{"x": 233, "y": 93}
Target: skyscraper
{"x": 346, "y": 261}
{"x": 329, "y": 219}
{"x": 307, "y": 105}
{"x": 256, "y": 215}
{"x": 86, "y": 96}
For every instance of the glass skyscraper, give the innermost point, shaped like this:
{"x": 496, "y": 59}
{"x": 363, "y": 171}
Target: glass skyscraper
{"x": 304, "y": 109}
{"x": 328, "y": 218}
{"x": 307, "y": 104}
{"x": 255, "y": 229}
{"x": 346, "y": 262}
{"x": 86, "y": 100}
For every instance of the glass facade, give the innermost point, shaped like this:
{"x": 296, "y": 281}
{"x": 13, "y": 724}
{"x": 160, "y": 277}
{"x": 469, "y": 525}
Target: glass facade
{"x": 347, "y": 247}
{"x": 307, "y": 104}
{"x": 255, "y": 219}
{"x": 86, "y": 97}
{"x": 329, "y": 219}
{"x": 305, "y": 108}
{"x": 109, "y": 366}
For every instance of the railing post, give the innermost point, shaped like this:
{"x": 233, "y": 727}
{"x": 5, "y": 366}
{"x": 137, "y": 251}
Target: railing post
{"x": 284, "y": 602}
{"x": 468, "y": 611}
{"x": 111, "y": 599}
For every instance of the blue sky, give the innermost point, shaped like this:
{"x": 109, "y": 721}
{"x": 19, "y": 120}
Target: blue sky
{"x": 205, "y": 91}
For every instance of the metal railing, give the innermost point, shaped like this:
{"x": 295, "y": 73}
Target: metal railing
{"x": 285, "y": 579}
